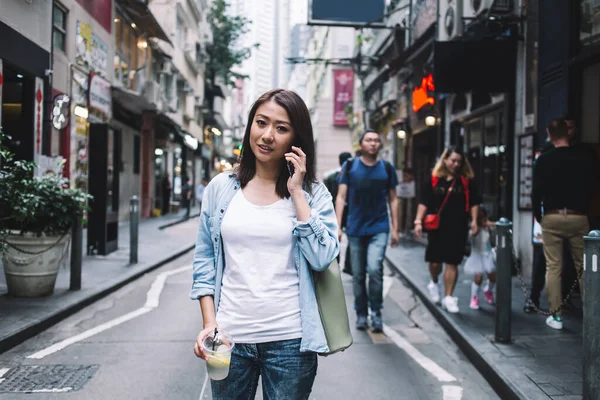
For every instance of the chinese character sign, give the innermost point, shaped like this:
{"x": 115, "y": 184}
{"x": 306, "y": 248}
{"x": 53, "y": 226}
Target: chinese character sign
{"x": 343, "y": 89}
{"x": 91, "y": 51}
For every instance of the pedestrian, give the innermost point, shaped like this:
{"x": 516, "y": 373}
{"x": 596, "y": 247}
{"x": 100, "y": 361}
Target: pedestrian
{"x": 482, "y": 261}
{"x": 166, "y": 194}
{"x": 565, "y": 180}
{"x": 331, "y": 181}
{"x": 450, "y": 195}
{"x": 368, "y": 184}
{"x": 200, "y": 192}
{"x": 186, "y": 196}
{"x": 265, "y": 228}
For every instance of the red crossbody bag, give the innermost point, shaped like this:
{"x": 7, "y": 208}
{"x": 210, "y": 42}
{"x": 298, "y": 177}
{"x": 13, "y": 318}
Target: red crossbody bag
{"x": 432, "y": 221}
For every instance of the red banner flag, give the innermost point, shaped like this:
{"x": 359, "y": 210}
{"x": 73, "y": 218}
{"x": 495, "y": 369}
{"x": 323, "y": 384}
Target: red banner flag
{"x": 343, "y": 90}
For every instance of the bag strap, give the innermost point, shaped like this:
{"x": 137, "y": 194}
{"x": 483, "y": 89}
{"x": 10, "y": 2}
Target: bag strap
{"x": 390, "y": 170}
{"x": 465, "y": 183}
{"x": 446, "y": 198}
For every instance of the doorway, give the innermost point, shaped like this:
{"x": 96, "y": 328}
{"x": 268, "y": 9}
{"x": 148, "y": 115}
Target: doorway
{"x": 17, "y": 111}
{"x": 487, "y": 151}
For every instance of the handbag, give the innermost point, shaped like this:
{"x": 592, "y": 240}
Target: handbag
{"x": 431, "y": 222}
{"x": 331, "y": 301}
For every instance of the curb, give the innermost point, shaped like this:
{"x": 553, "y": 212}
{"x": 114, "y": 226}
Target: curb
{"x": 38, "y": 326}
{"x": 501, "y": 385}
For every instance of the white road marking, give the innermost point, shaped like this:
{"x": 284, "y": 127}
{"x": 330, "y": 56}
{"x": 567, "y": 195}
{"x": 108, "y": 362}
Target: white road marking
{"x": 449, "y": 392}
{"x": 204, "y": 386}
{"x": 63, "y": 390}
{"x": 427, "y": 363}
{"x": 388, "y": 281}
{"x": 3, "y": 371}
{"x": 152, "y": 302}
{"x": 452, "y": 392}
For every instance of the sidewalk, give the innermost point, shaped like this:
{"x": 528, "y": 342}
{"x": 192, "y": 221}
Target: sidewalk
{"x": 541, "y": 363}
{"x": 22, "y": 318}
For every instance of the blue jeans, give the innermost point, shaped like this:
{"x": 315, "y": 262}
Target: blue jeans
{"x": 367, "y": 254}
{"x": 286, "y": 372}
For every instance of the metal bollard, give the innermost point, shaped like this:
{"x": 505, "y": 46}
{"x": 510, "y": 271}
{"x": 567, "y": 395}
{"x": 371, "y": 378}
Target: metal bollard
{"x": 134, "y": 220}
{"x": 76, "y": 253}
{"x": 503, "y": 281}
{"x": 591, "y": 317}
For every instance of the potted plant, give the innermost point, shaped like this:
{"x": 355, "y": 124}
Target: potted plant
{"x": 36, "y": 215}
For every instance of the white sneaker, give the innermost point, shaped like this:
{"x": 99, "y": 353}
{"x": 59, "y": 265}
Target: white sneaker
{"x": 554, "y": 322}
{"x": 450, "y": 304}
{"x": 434, "y": 291}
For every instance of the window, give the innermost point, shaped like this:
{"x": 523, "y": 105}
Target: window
{"x": 59, "y": 27}
{"x": 589, "y": 26}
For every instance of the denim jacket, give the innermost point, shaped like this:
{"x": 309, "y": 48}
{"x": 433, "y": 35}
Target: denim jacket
{"x": 315, "y": 242}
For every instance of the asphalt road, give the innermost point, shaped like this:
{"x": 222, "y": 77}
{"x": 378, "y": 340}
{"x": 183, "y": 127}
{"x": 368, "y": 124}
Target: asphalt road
{"x": 138, "y": 344}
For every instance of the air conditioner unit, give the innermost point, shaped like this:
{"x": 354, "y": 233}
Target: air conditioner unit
{"x": 152, "y": 92}
{"x": 473, "y": 8}
{"x": 187, "y": 88}
{"x": 450, "y": 21}
{"x": 166, "y": 67}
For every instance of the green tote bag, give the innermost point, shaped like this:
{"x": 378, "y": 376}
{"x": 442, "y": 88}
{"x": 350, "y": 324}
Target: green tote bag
{"x": 332, "y": 308}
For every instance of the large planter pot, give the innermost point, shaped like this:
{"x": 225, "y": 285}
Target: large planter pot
{"x": 27, "y": 273}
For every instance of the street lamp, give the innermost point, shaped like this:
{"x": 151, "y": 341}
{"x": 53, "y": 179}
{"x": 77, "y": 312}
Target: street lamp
{"x": 401, "y": 134}
{"x": 430, "y": 120}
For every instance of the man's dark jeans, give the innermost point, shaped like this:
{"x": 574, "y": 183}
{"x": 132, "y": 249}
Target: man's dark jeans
{"x": 367, "y": 253}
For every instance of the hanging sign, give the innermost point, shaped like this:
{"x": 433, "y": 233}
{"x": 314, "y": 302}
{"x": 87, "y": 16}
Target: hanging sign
{"x": 1, "y": 79}
{"x": 38, "y": 125}
{"x": 343, "y": 89}
{"x": 100, "y": 96}
{"x": 420, "y": 95}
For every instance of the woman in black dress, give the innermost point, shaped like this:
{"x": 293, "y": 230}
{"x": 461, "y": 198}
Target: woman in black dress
{"x": 452, "y": 174}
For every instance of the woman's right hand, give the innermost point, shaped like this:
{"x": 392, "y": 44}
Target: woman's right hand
{"x": 198, "y": 348}
{"x": 418, "y": 230}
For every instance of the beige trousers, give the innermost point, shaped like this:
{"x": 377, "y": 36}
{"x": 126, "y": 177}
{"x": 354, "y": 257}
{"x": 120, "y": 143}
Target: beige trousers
{"x": 556, "y": 229}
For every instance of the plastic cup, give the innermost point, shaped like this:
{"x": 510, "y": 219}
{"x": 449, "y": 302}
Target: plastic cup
{"x": 218, "y": 349}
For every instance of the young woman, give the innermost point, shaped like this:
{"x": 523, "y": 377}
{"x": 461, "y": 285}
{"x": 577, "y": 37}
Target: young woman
{"x": 264, "y": 229}
{"x": 451, "y": 180}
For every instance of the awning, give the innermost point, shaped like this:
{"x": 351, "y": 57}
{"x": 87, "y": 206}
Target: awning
{"x": 130, "y": 100}
{"x": 141, "y": 15}
{"x": 216, "y": 119}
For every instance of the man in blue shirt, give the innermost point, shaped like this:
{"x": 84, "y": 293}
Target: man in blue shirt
{"x": 368, "y": 184}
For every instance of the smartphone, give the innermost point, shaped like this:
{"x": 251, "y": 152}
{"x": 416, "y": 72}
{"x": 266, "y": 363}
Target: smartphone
{"x": 289, "y": 163}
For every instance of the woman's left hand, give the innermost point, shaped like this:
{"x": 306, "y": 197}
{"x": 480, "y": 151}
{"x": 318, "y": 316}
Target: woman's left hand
{"x": 474, "y": 228}
{"x": 298, "y": 160}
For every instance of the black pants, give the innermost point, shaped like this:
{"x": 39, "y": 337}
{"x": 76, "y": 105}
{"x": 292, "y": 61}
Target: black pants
{"x": 539, "y": 274}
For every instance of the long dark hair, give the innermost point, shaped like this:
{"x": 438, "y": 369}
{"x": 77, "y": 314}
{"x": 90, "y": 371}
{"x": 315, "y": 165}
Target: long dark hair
{"x": 300, "y": 121}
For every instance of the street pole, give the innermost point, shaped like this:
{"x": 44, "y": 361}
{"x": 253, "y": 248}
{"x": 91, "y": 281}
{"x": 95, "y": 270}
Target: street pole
{"x": 134, "y": 219}
{"x": 591, "y": 317}
{"x": 503, "y": 281}
{"x": 76, "y": 253}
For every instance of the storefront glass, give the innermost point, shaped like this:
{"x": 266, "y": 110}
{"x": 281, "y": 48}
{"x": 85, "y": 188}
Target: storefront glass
{"x": 589, "y": 28}
{"x": 487, "y": 153}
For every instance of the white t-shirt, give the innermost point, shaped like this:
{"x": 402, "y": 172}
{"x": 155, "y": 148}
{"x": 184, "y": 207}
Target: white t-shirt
{"x": 260, "y": 295}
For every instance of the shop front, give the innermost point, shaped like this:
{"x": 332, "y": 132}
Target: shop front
{"x": 587, "y": 98}
{"x": 102, "y": 164}
{"x": 24, "y": 90}
{"x": 483, "y": 139}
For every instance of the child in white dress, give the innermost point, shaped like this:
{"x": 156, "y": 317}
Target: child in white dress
{"x": 482, "y": 261}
